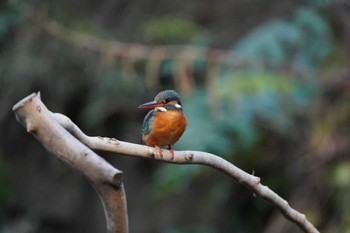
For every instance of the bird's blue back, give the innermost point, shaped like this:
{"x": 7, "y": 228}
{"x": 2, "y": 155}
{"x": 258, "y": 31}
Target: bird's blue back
{"x": 147, "y": 121}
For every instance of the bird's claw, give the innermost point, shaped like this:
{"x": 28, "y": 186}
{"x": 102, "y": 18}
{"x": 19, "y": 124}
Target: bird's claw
{"x": 160, "y": 151}
{"x": 172, "y": 153}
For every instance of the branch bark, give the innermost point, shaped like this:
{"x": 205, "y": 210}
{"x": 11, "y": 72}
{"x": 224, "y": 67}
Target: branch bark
{"x": 106, "y": 180}
{"x": 63, "y": 123}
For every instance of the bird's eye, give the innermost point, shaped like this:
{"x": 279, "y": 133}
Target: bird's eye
{"x": 167, "y": 100}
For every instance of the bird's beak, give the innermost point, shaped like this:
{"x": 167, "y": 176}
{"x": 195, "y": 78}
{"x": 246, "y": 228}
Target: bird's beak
{"x": 152, "y": 104}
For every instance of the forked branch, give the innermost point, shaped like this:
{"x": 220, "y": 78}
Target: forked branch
{"x": 106, "y": 179}
{"x": 32, "y": 118}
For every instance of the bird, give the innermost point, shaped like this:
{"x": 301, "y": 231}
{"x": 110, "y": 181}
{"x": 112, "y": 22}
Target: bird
{"x": 165, "y": 123}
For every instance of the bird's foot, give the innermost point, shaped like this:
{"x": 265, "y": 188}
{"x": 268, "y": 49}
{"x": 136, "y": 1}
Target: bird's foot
{"x": 172, "y": 152}
{"x": 159, "y": 151}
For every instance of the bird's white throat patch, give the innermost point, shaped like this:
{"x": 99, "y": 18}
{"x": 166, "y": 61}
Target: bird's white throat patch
{"x": 162, "y": 109}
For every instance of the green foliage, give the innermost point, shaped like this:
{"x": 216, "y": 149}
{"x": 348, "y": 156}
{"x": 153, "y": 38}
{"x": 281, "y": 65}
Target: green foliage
{"x": 304, "y": 40}
{"x": 171, "y": 179}
{"x": 174, "y": 29}
{"x": 340, "y": 176}
{"x": 204, "y": 128}
{"x": 8, "y": 18}
{"x": 166, "y": 68}
{"x": 245, "y": 97}
{"x": 104, "y": 99}
{"x": 202, "y": 38}
{"x": 248, "y": 101}
{"x": 254, "y": 98}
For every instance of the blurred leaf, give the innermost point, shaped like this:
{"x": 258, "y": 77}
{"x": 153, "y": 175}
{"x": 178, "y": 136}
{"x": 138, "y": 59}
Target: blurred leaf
{"x": 171, "y": 179}
{"x": 341, "y": 175}
{"x": 171, "y": 29}
{"x": 166, "y": 68}
{"x": 303, "y": 40}
{"x": 202, "y": 126}
{"x": 245, "y": 97}
{"x": 340, "y": 178}
{"x": 10, "y": 14}
{"x": 202, "y": 38}
{"x": 270, "y": 41}
{"x": 316, "y": 42}
{"x": 105, "y": 98}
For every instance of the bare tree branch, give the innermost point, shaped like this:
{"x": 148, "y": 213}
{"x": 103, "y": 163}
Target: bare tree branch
{"x": 181, "y": 157}
{"x": 191, "y": 157}
{"x": 106, "y": 180}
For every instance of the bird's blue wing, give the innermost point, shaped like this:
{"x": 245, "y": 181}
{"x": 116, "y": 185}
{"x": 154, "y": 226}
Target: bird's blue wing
{"x": 147, "y": 121}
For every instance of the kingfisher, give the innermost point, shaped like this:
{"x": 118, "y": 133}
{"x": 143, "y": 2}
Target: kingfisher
{"x": 165, "y": 123}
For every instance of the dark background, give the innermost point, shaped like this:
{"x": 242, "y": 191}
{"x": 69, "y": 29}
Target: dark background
{"x": 278, "y": 106}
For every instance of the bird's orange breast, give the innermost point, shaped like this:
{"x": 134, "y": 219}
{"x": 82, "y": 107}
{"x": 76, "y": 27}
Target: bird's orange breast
{"x": 167, "y": 128}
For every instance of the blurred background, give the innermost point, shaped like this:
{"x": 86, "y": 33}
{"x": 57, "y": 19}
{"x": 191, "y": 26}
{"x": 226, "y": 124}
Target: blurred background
{"x": 264, "y": 84}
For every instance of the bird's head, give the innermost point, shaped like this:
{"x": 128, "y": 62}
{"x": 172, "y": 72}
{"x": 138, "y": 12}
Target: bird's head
{"x": 165, "y": 100}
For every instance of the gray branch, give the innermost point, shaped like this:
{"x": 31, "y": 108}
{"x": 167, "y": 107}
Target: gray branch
{"x": 63, "y": 149}
{"x": 106, "y": 180}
